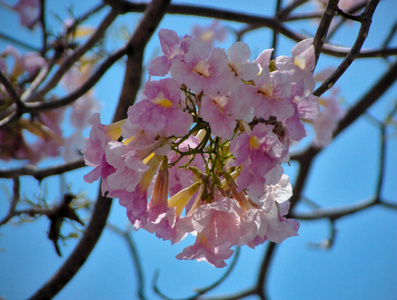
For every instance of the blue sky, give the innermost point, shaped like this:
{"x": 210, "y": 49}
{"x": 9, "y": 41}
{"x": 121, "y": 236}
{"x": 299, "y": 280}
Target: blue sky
{"x": 362, "y": 264}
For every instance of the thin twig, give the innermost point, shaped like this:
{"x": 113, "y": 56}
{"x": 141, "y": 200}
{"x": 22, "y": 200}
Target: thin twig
{"x": 355, "y": 50}
{"x": 335, "y": 213}
{"x": 14, "y": 201}
{"x": 126, "y": 235}
{"x": 283, "y": 13}
{"x": 275, "y": 33}
{"x": 19, "y": 43}
{"x": 200, "y": 291}
{"x": 258, "y": 21}
{"x": 98, "y": 34}
{"x": 323, "y": 27}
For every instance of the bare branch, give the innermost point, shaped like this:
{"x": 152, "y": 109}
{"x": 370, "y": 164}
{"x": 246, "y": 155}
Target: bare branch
{"x": 323, "y": 27}
{"x": 43, "y": 25}
{"x": 335, "y": 213}
{"x": 126, "y": 235}
{"x": 39, "y": 173}
{"x": 283, "y": 13}
{"x": 368, "y": 99}
{"x": 11, "y": 91}
{"x": 14, "y": 201}
{"x": 84, "y": 88}
{"x": 256, "y": 21}
{"x": 151, "y": 19}
{"x": 15, "y": 41}
{"x": 201, "y": 291}
{"x": 355, "y": 50}
{"x": 76, "y": 55}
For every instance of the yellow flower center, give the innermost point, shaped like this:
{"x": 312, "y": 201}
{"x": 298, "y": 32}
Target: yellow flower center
{"x": 254, "y": 142}
{"x": 162, "y": 101}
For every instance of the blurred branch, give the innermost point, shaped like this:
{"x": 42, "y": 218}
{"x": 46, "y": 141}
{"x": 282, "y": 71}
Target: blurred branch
{"x": 335, "y": 213}
{"x": 43, "y": 25}
{"x": 275, "y": 33}
{"x": 126, "y": 235}
{"x": 11, "y": 91}
{"x": 98, "y": 34}
{"x": 41, "y": 173}
{"x": 390, "y": 36}
{"x": 142, "y": 34}
{"x": 259, "y": 288}
{"x": 256, "y": 21}
{"x": 201, "y": 291}
{"x": 366, "y": 20}
{"x": 19, "y": 43}
{"x": 14, "y": 201}
{"x": 376, "y": 91}
{"x": 84, "y": 88}
{"x": 283, "y": 13}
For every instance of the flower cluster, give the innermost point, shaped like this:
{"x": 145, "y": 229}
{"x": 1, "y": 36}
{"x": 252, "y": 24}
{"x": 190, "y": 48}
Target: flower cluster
{"x": 201, "y": 152}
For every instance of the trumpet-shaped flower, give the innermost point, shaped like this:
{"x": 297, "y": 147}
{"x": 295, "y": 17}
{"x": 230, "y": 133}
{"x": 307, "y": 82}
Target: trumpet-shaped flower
{"x": 202, "y": 73}
{"x": 202, "y": 250}
{"x": 218, "y": 222}
{"x": 221, "y": 112}
{"x": 173, "y": 49}
{"x": 161, "y": 112}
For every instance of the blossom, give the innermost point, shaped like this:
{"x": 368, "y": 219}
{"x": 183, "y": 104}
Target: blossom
{"x": 201, "y": 152}
{"x": 172, "y": 47}
{"x": 28, "y": 11}
{"x": 327, "y": 120}
{"x": 201, "y": 70}
{"x": 208, "y": 34}
{"x": 259, "y": 151}
{"x": 161, "y": 113}
{"x": 202, "y": 250}
{"x": 218, "y": 222}
{"x": 221, "y": 112}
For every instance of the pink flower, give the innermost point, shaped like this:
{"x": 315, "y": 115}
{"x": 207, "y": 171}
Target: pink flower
{"x": 299, "y": 67}
{"x": 173, "y": 49}
{"x": 267, "y": 221}
{"x": 218, "y": 222}
{"x": 200, "y": 72}
{"x": 128, "y": 165}
{"x": 272, "y": 95}
{"x": 221, "y": 112}
{"x": 208, "y": 34}
{"x": 161, "y": 113}
{"x": 328, "y": 120}
{"x": 161, "y": 219}
{"x": 28, "y": 11}
{"x": 239, "y": 54}
{"x": 202, "y": 250}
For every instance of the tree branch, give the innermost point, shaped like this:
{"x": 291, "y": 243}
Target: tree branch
{"x": 257, "y": 21}
{"x": 151, "y": 19}
{"x": 39, "y": 173}
{"x": 126, "y": 235}
{"x": 355, "y": 50}
{"x": 323, "y": 27}
{"x": 76, "y": 56}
